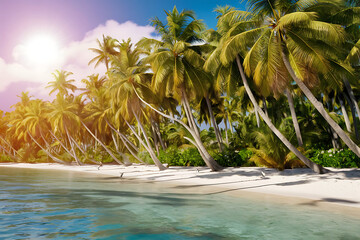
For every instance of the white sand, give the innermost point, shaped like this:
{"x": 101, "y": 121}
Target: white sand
{"x": 340, "y": 188}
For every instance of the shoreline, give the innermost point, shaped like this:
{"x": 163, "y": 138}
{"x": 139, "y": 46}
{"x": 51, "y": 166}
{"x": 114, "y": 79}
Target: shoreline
{"x": 337, "y": 191}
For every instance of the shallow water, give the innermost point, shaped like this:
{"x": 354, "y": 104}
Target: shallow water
{"x": 43, "y": 204}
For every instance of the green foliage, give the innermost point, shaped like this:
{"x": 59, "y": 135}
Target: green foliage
{"x": 343, "y": 158}
{"x": 232, "y": 158}
{"x": 186, "y": 157}
{"x": 271, "y": 152}
{"x": 5, "y": 158}
{"x": 145, "y": 156}
{"x": 191, "y": 157}
{"x": 97, "y": 155}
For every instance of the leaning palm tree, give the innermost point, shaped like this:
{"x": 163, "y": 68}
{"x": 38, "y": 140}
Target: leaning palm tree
{"x": 178, "y": 66}
{"x": 31, "y": 123}
{"x": 96, "y": 114}
{"x": 127, "y": 74}
{"x": 257, "y": 35}
{"x": 65, "y": 122}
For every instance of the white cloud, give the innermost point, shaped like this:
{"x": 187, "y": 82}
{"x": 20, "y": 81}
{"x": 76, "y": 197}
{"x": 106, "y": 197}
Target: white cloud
{"x": 74, "y": 58}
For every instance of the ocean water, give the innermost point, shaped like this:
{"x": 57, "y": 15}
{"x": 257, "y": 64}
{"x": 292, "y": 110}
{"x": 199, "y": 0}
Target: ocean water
{"x": 44, "y": 204}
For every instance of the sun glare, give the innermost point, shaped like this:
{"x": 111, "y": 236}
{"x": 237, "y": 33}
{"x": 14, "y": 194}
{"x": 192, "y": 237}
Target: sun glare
{"x": 42, "y": 50}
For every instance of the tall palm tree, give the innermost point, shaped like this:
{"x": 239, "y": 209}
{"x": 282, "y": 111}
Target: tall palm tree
{"x": 178, "y": 66}
{"x": 127, "y": 74}
{"x": 287, "y": 30}
{"x": 235, "y": 43}
{"x": 295, "y": 34}
{"x": 64, "y": 120}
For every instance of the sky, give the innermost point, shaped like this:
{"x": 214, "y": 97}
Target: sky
{"x": 40, "y": 36}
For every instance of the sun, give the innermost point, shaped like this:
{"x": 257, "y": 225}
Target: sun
{"x": 42, "y": 50}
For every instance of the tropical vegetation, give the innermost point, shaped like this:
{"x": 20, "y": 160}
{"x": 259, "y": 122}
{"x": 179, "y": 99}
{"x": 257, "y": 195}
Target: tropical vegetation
{"x": 276, "y": 85}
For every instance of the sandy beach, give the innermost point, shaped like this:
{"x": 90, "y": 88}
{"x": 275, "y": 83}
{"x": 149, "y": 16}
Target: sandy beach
{"x": 338, "y": 190}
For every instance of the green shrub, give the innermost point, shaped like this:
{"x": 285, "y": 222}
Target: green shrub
{"x": 343, "y": 158}
{"x": 192, "y": 157}
{"x": 145, "y": 156}
{"x": 232, "y": 158}
{"x": 5, "y": 158}
{"x": 185, "y": 157}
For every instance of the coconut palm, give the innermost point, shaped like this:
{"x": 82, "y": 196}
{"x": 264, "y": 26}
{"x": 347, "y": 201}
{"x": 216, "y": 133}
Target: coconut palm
{"x": 106, "y": 49}
{"x": 178, "y": 66}
{"x": 64, "y": 120}
{"x": 61, "y": 84}
{"x": 287, "y": 30}
{"x": 271, "y": 152}
{"x": 126, "y": 76}
{"x": 97, "y": 111}
{"x": 93, "y": 83}
{"x": 231, "y": 47}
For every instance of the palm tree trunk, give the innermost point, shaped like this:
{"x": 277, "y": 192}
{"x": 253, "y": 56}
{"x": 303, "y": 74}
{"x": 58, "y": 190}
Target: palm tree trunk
{"x": 62, "y": 145}
{"x": 124, "y": 157}
{"x": 345, "y": 115}
{"x": 320, "y": 107}
{"x": 157, "y": 130}
{"x": 72, "y": 148}
{"x": 208, "y": 159}
{"x": 141, "y": 142}
{"x": 315, "y": 167}
{"x": 216, "y": 128}
{"x": 83, "y": 151}
{"x": 226, "y": 128}
{"x": 187, "y": 114}
{"x": 9, "y": 153}
{"x": 46, "y": 151}
{"x": 125, "y": 140}
{"x": 155, "y": 137}
{"x": 96, "y": 143}
{"x": 257, "y": 116}
{"x": 115, "y": 142}
{"x": 9, "y": 145}
{"x": 352, "y": 97}
{"x": 150, "y": 150}
{"x": 123, "y": 136}
{"x": 230, "y": 124}
{"x": 103, "y": 145}
{"x": 190, "y": 116}
{"x": 265, "y": 106}
{"x": 294, "y": 117}
{"x": 353, "y": 114}
{"x": 131, "y": 151}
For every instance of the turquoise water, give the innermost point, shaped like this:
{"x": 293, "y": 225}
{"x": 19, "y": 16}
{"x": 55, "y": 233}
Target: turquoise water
{"x": 39, "y": 204}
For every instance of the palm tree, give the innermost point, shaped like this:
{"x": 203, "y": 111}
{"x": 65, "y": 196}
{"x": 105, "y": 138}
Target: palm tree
{"x": 64, "y": 120}
{"x": 346, "y": 15}
{"x": 31, "y": 122}
{"x": 93, "y": 84}
{"x": 235, "y": 43}
{"x": 106, "y": 49}
{"x": 272, "y": 153}
{"x": 178, "y": 66}
{"x": 127, "y": 74}
{"x": 61, "y": 83}
{"x": 295, "y": 35}
{"x": 97, "y": 111}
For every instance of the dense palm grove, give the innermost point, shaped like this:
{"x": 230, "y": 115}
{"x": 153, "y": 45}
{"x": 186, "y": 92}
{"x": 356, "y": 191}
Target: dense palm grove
{"x": 273, "y": 86}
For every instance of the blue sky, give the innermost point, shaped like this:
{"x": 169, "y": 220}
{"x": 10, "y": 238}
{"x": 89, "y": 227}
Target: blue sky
{"x": 74, "y": 24}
